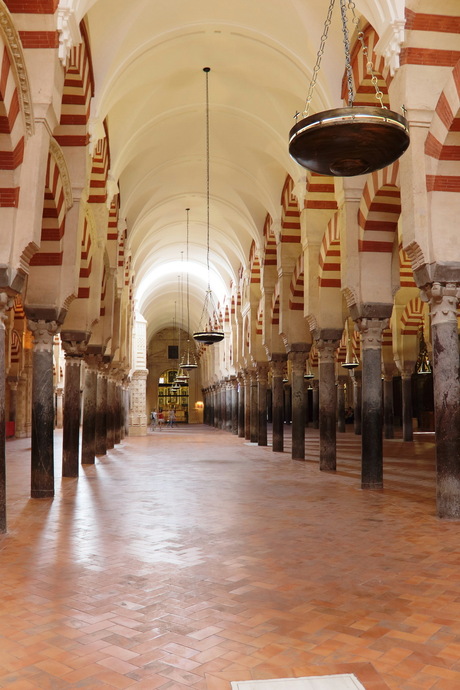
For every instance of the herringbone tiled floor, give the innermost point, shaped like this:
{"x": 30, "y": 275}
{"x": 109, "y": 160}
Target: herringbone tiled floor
{"x": 191, "y": 558}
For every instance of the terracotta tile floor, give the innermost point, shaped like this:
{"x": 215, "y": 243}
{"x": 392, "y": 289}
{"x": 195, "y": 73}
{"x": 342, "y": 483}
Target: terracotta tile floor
{"x": 191, "y": 558}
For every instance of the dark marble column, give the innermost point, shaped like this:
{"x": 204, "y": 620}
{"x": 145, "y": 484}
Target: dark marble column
{"x": 372, "y": 407}
{"x": 42, "y": 456}
{"x": 109, "y": 413}
{"x": 278, "y": 365}
{"x": 341, "y": 404}
{"x": 216, "y": 396}
{"x": 407, "y": 413}
{"x": 5, "y": 303}
{"x": 117, "y": 412}
{"x": 327, "y": 348}
{"x": 298, "y": 359}
{"x": 357, "y": 402}
{"x": 443, "y": 301}
{"x": 228, "y": 407}
{"x": 71, "y": 418}
{"x": 247, "y": 405}
{"x": 88, "y": 442}
{"x": 101, "y": 412}
{"x": 254, "y": 408}
{"x": 13, "y": 388}
{"x": 234, "y": 406}
{"x": 262, "y": 380}
{"x": 74, "y": 344}
{"x": 241, "y": 391}
{"x": 388, "y": 409}
{"x": 315, "y": 403}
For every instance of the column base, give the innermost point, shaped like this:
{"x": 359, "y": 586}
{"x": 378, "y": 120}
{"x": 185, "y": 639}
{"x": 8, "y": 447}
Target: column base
{"x": 372, "y": 486}
{"x": 45, "y": 493}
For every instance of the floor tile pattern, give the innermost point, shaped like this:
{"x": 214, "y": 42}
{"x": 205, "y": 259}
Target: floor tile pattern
{"x": 191, "y": 558}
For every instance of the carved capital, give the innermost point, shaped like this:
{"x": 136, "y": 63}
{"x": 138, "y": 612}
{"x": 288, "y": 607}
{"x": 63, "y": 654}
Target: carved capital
{"x": 298, "y": 360}
{"x": 371, "y": 332}
{"x": 43, "y": 333}
{"x": 277, "y": 367}
{"x": 262, "y": 372}
{"x": 443, "y": 301}
{"x": 326, "y": 350}
{"x": 6, "y": 302}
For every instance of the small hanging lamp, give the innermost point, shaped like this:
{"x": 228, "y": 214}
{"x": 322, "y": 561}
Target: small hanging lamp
{"x": 351, "y": 361}
{"x": 205, "y": 333}
{"x": 349, "y": 141}
{"x": 188, "y": 360}
{"x": 181, "y": 377}
{"x": 308, "y": 372}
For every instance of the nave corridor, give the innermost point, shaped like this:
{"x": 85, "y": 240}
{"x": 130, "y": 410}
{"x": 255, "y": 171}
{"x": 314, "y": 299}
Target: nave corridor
{"x": 191, "y": 558}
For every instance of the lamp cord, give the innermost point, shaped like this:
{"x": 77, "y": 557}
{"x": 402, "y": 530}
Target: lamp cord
{"x": 206, "y": 70}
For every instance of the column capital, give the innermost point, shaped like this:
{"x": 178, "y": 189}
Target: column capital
{"x": 278, "y": 367}
{"x": 327, "y": 349}
{"x": 75, "y": 343}
{"x": 43, "y": 333}
{"x": 298, "y": 359}
{"x": 262, "y": 371}
{"x": 443, "y": 299}
{"x": 371, "y": 332}
{"x": 6, "y": 302}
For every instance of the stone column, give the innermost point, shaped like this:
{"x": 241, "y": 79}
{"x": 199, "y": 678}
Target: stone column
{"x": 372, "y": 417}
{"x": 59, "y": 391}
{"x": 117, "y": 412}
{"x": 341, "y": 404}
{"x": 101, "y": 411}
{"x": 13, "y": 388}
{"x": 223, "y": 405}
{"x": 110, "y": 412}
{"x": 253, "y": 409}
{"x": 138, "y": 404}
{"x": 315, "y": 404}
{"x": 241, "y": 390}
{"x": 407, "y": 414}
{"x": 74, "y": 344}
{"x": 247, "y": 405}
{"x": 278, "y": 365}
{"x": 262, "y": 380}
{"x": 357, "y": 402}
{"x": 229, "y": 407}
{"x": 88, "y": 442}
{"x": 5, "y": 304}
{"x": 298, "y": 359}
{"x": 327, "y": 348}
{"x": 42, "y": 456}
{"x": 443, "y": 300}
{"x": 388, "y": 409}
{"x": 234, "y": 405}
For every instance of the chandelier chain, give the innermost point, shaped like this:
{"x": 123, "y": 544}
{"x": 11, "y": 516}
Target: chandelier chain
{"x": 319, "y": 55}
{"x": 346, "y": 43}
{"x": 207, "y": 173}
{"x": 369, "y": 65}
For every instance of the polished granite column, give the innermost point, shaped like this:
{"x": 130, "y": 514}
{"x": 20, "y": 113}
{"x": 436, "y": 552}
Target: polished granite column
{"x": 101, "y": 411}
{"x": 372, "y": 399}
{"x": 88, "y": 442}
{"x": 42, "y": 452}
{"x": 388, "y": 408}
{"x": 341, "y": 404}
{"x": 407, "y": 410}
{"x": 117, "y": 411}
{"x": 357, "y": 401}
{"x": 262, "y": 381}
{"x": 278, "y": 365}
{"x": 247, "y": 405}
{"x": 254, "y": 408}
{"x": 110, "y": 412}
{"x": 5, "y": 304}
{"x": 234, "y": 405}
{"x": 327, "y": 348}
{"x": 298, "y": 359}
{"x": 241, "y": 405}
{"x": 74, "y": 344}
{"x": 444, "y": 301}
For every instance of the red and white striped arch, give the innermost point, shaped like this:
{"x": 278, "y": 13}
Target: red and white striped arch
{"x": 260, "y": 317}
{"x": 275, "y": 308}
{"x": 290, "y": 215}
{"x": 76, "y": 96}
{"x": 443, "y": 140}
{"x": 329, "y": 255}
{"x": 406, "y": 275}
{"x": 320, "y": 192}
{"x": 53, "y": 218}
{"x": 86, "y": 263}
{"x": 254, "y": 264}
{"x": 99, "y": 172}
{"x": 269, "y": 243}
{"x": 296, "y": 289}
{"x": 364, "y": 88}
{"x": 103, "y": 291}
{"x": 379, "y": 211}
{"x": 412, "y": 317}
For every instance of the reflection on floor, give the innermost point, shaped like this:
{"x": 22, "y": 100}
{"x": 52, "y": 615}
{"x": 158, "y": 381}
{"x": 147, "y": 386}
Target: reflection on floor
{"x": 188, "y": 558}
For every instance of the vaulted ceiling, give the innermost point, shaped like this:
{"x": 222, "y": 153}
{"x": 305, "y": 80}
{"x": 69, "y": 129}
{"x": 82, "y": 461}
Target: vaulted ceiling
{"x": 148, "y": 58}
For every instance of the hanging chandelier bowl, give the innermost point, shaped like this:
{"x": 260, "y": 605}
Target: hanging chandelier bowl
{"x": 188, "y": 361}
{"x": 208, "y": 337}
{"x": 344, "y": 142}
{"x": 350, "y": 365}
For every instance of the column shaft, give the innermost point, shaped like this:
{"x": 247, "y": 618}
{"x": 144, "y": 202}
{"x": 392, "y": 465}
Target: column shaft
{"x": 71, "y": 419}
{"x": 408, "y": 432}
{"x": 88, "y": 446}
{"x": 278, "y": 404}
{"x": 101, "y": 414}
{"x": 388, "y": 409}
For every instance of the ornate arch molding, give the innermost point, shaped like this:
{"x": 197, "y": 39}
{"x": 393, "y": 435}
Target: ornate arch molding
{"x": 18, "y": 65}
{"x": 56, "y": 152}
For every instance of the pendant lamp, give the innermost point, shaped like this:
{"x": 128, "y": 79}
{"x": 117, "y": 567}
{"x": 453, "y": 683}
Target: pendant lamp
{"x": 188, "y": 361}
{"x": 354, "y": 140}
{"x": 205, "y": 333}
{"x": 423, "y": 365}
{"x": 181, "y": 377}
{"x": 350, "y": 361}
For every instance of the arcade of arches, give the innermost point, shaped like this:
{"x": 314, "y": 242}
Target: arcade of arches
{"x": 103, "y": 272}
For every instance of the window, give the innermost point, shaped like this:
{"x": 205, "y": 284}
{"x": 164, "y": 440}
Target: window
{"x": 173, "y": 351}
